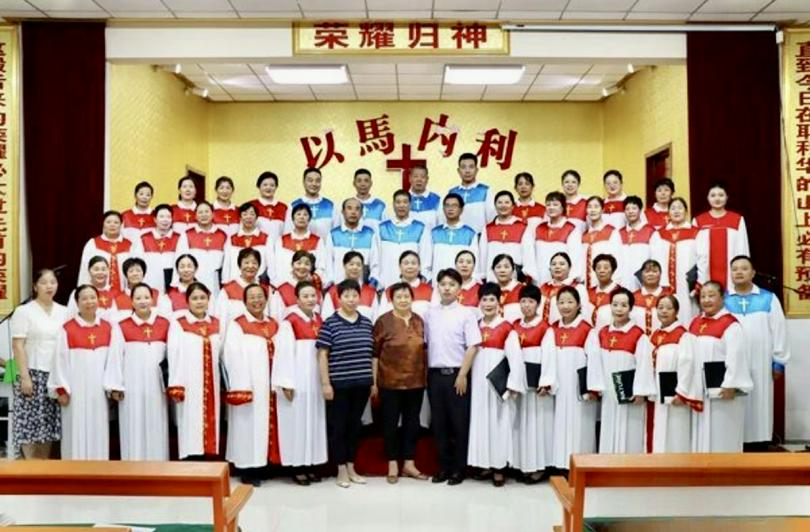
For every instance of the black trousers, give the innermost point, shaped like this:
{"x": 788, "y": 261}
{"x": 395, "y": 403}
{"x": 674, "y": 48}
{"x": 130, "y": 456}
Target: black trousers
{"x": 405, "y": 404}
{"x": 450, "y": 419}
{"x": 343, "y": 422}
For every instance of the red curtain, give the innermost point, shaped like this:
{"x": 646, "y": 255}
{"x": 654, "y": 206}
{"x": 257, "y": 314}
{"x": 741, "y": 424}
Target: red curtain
{"x": 734, "y": 136}
{"x": 63, "y": 112}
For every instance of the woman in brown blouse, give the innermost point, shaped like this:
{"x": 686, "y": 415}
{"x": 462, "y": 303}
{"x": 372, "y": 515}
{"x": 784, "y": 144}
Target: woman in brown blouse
{"x": 400, "y": 369}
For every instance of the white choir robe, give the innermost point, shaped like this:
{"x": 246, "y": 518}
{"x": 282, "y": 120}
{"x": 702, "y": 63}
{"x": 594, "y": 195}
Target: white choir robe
{"x": 425, "y": 208}
{"x": 257, "y": 240}
{"x": 363, "y": 240}
{"x": 635, "y": 251}
{"x": 548, "y": 297}
{"x": 115, "y": 252}
{"x": 512, "y": 238}
{"x": 595, "y": 242}
{"x": 368, "y": 306}
{"x": 551, "y": 239}
{"x": 531, "y": 212}
{"x": 123, "y": 306}
{"x": 78, "y": 372}
{"x": 230, "y": 302}
{"x": 138, "y": 348}
{"x": 510, "y": 301}
{"x": 285, "y": 247}
{"x": 208, "y": 248}
{"x": 718, "y": 241}
{"x": 673, "y": 351}
{"x": 644, "y": 312}
{"x": 183, "y": 218}
{"x": 674, "y": 249}
{"x": 252, "y": 425}
{"x": 533, "y": 434}
{"x": 324, "y": 215}
{"x": 159, "y": 252}
{"x": 492, "y": 417}
{"x": 576, "y": 212}
{"x": 624, "y": 425}
{"x": 302, "y": 421}
{"x": 173, "y": 303}
{"x": 613, "y": 211}
{"x": 596, "y": 308}
{"x": 106, "y": 305}
{"x": 271, "y": 216}
{"x": 720, "y": 427}
{"x": 479, "y": 205}
{"x": 374, "y": 213}
{"x": 448, "y": 242}
{"x": 574, "y": 346}
{"x": 763, "y": 323}
{"x": 136, "y": 222}
{"x": 193, "y": 351}
{"x": 226, "y": 217}
{"x": 283, "y": 301}
{"x": 397, "y": 237}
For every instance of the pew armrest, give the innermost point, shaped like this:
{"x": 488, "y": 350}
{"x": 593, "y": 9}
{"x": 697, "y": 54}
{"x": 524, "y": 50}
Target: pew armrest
{"x": 237, "y": 501}
{"x": 564, "y": 492}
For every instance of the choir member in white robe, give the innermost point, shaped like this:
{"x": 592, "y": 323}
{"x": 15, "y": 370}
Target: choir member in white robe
{"x": 673, "y": 247}
{"x": 636, "y": 238}
{"x": 158, "y": 248}
{"x": 400, "y": 234}
{"x": 452, "y": 237}
{"x": 271, "y": 211}
{"x": 226, "y": 213}
{"x": 353, "y": 269}
{"x": 646, "y": 298}
{"x": 575, "y": 203}
{"x": 134, "y": 270}
{"x": 230, "y": 300}
{"x": 763, "y": 323}
{"x": 184, "y": 212}
{"x": 133, "y": 377}
{"x": 722, "y": 236}
{"x": 673, "y": 351}
{"x": 504, "y": 268}
{"x": 423, "y": 295}
{"x": 614, "y": 199}
{"x": 173, "y": 303}
{"x": 113, "y": 247}
{"x": 296, "y": 376}
{"x": 533, "y": 431}
{"x": 492, "y": 416}
{"x": 194, "y": 380}
{"x": 77, "y": 380}
{"x": 561, "y": 276}
{"x": 574, "y": 344}
{"x": 299, "y": 239}
{"x": 425, "y": 205}
{"x": 600, "y": 238}
{"x": 252, "y": 406}
{"x": 528, "y": 210}
{"x": 324, "y": 214}
{"x": 247, "y": 237}
{"x": 507, "y": 234}
{"x": 657, "y": 214}
{"x": 597, "y": 307}
{"x": 720, "y": 338}
{"x": 374, "y": 210}
{"x": 284, "y": 299}
{"x": 624, "y": 347}
{"x": 479, "y": 205}
{"x": 138, "y": 220}
{"x": 553, "y": 236}
{"x": 351, "y": 236}
{"x": 99, "y": 278}
{"x": 207, "y": 244}
{"x": 470, "y": 285}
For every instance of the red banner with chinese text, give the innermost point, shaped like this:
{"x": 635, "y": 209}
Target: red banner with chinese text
{"x": 9, "y": 167}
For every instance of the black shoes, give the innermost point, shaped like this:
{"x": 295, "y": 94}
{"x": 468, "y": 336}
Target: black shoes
{"x": 455, "y": 479}
{"x": 301, "y": 480}
{"x": 441, "y": 477}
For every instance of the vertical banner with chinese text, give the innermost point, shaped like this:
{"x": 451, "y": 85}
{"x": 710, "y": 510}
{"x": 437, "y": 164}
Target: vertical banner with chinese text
{"x": 796, "y": 188}
{"x": 9, "y": 167}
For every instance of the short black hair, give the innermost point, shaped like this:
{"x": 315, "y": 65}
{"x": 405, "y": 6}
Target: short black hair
{"x": 136, "y": 287}
{"x": 596, "y": 198}
{"x": 396, "y": 287}
{"x": 311, "y": 169}
{"x": 144, "y": 184}
{"x": 524, "y": 175}
{"x": 613, "y": 172}
{"x": 248, "y": 252}
{"x": 570, "y": 290}
{"x": 454, "y": 196}
{"x": 349, "y": 255}
{"x": 623, "y": 291}
{"x": 95, "y": 260}
{"x": 503, "y": 256}
{"x": 266, "y": 175}
{"x": 186, "y": 178}
{"x": 465, "y": 252}
{"x": 248, "y": 288}
{"x": 163, "y": 207}
{"x": 302, "y": 207}
{"x": 556, "y": 196}
{"x": 408, "y": 253}
{"x": 530, "y": 291}
{"x": 674, "y": 300}
{"x": 81, "y": 288}
{"x": 468, "y": 157}
{"x": 133, "y": 261}
{"x": 189, "y": 256}
{"x": 650, "y": 263}
{"x": 347, "y": 284}
{"x": 633, "y": 200}
{"x": 224, "y": 179}
{"x": 451, "y": 273}
{"x": 605, "y": 257}
{"x": 301, "y": 254}
{"x": 246, "y": 206}
{"x": 741, "y": 257}
{"x": 719, "y": 184}
{"x": 507, "y": 194}
{"x": 361, "y": 171}
{"x": 193, "y": 287}
{"x": 572, "y": 173}
{"x": 562, "y": 254}
{"x": 401, "y": 192}
{"x": 346, "y": 202}
{"x": 489, "y": 289}
{"x": 112, "y": 212}
{"x": 665, "y": 182}
{"x": 304, "y": 284}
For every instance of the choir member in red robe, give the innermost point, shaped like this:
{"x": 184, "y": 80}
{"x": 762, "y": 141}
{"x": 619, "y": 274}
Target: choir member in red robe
{"x": 184, "y": 210}
{"x": 468, "y": 294}
{"x": 657, "y": 214}
{"x": 226, "y": 214}
{"x": 575, "y": 203}
{"x": 110, "y": 245}
{"x": 272, "y": 212}
{"x": 138, "y": 220}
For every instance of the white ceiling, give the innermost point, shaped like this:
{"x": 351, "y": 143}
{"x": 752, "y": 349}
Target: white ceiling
{"x": 407, "y": 81}
{"x": 797, "y": 11}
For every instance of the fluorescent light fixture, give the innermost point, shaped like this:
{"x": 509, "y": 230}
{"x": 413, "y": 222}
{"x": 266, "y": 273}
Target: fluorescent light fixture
{"x": 483, "y": 74}
{"x": 178, "y": 68}
{"x": 630, "y": 68}
{"x": 609, "y": 91}
{"x": 202, "y": 93}
{"x": 308, "y": 74}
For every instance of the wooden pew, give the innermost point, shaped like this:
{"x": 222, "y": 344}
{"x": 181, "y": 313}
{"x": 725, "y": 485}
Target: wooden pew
{"x": 673, "y": 470}
{"x": 152, "y": 479}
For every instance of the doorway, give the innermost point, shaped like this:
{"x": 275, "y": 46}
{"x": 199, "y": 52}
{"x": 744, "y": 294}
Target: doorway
{"x": 659, "y": 164}
{"x": 199, "y": 183}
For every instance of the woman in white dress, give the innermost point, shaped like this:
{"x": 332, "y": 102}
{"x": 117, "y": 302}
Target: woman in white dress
{"x": 35, "y": 329}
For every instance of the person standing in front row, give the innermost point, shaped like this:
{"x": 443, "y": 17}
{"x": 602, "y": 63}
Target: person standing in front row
{"x": 452, "y": 342}
{"x": 345, "y": 347}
